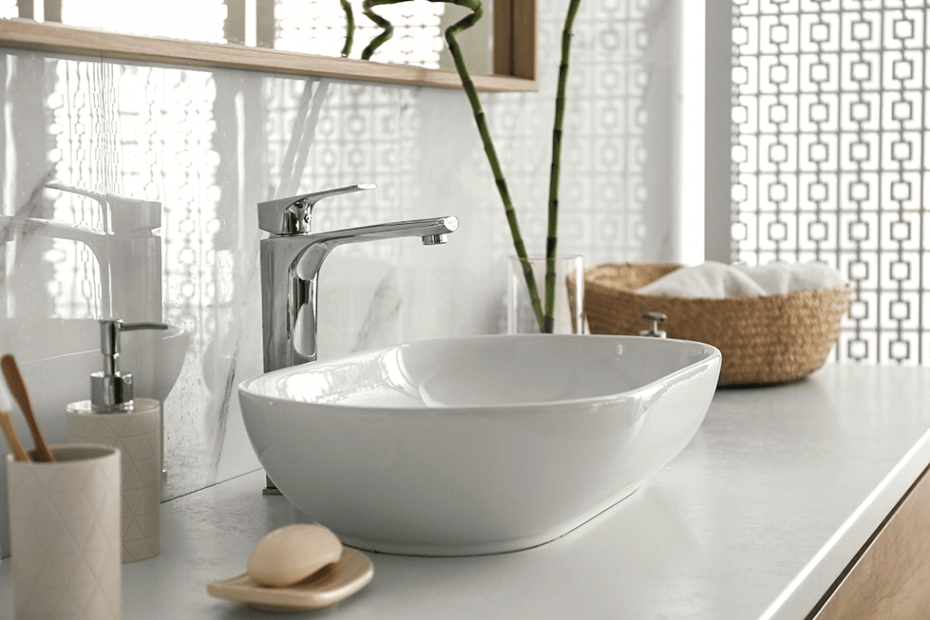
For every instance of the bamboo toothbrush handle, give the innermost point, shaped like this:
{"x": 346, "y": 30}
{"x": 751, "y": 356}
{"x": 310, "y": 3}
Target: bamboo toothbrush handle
{"x": 14, "y": 379}
{"x": 12, "y": 438}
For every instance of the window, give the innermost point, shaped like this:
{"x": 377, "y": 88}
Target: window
{"x": 829, "y": 157}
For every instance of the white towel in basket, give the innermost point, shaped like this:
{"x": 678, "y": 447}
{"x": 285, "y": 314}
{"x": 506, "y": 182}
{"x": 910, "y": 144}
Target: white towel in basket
{"x": 713, "y": 280}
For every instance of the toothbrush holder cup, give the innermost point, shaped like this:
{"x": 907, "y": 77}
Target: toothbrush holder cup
{"x": 65, "y": 534}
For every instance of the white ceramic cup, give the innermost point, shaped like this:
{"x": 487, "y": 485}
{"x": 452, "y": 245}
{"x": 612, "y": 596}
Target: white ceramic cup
{"x": 65, "y": 534}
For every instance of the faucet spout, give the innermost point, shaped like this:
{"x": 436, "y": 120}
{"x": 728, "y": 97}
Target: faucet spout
{"x": 319, "y": 245}
{"x": 290, "y": 267}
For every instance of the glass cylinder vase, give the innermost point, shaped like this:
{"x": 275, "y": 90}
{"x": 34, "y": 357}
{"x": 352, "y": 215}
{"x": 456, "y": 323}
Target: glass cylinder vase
{"x": 569, "y": 295}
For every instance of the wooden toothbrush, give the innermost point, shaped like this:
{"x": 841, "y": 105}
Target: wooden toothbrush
{"x": 14, "y": 379}
{"x": 12, "y": 438}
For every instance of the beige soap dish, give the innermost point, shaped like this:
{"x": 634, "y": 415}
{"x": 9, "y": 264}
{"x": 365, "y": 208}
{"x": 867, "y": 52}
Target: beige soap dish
{"x": 328, "y": 586}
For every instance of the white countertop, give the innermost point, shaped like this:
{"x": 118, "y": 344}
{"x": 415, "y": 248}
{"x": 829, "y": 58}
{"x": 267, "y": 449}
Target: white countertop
{"x": 755, "y": 519}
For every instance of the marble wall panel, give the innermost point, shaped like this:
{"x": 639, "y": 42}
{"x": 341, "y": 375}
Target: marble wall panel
{"x": 205, "y": 146}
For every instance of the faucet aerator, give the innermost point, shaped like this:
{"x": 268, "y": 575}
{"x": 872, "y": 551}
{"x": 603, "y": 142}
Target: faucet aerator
{"x": 435, "y": 239}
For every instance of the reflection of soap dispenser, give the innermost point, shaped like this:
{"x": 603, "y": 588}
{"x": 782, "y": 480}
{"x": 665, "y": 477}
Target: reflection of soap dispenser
{"x": 114, "y": 418}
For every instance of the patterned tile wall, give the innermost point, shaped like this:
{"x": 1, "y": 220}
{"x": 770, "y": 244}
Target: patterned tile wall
{"x": 830, "y": 105}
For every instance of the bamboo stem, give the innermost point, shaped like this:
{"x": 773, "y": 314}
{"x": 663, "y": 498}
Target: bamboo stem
{"x": 387, "y": 28}
{"x": 555, "y": 168}
{"x": 350, "y": 28}
{"x": 545, "y": 317}
{"x": 491, "y": 153}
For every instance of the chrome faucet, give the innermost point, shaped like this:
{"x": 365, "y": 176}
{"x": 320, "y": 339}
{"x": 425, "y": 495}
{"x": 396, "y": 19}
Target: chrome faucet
{"x": 128, "y": 252}
{"x": 290, "y": 266}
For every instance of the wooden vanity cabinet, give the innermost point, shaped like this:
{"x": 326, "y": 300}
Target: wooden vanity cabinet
{"x": 889, "y": 579}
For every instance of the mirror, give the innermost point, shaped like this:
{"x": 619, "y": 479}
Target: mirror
{"x": 288, "y": 36}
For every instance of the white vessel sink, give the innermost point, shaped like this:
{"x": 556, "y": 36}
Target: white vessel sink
{"x": 476, "y": 445}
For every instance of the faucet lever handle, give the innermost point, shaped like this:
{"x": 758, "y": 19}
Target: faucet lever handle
{"x": 291, "y": 216}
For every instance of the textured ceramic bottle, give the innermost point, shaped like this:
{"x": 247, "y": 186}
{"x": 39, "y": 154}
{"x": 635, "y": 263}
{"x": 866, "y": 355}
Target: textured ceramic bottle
{"x": 137, "y": 434}
{"x": 112, "y": 417}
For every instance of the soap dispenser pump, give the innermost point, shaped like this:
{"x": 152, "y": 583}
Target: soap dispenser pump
{"x": 114, "y": 417}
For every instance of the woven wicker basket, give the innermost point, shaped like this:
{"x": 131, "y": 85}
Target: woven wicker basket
{"x": 763, "y": 339}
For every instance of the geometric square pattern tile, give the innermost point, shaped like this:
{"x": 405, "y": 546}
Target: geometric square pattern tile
{"x": 829, "y": 130}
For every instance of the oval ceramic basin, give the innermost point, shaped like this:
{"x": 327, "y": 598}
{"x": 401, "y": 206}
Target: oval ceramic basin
{"x": 476, "y": 445}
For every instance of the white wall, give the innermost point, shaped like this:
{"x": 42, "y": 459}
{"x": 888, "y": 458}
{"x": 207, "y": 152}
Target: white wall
{"x": 209, "y": 144}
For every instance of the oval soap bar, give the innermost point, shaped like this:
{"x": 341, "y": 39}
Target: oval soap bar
{"x": 292, "y": 553}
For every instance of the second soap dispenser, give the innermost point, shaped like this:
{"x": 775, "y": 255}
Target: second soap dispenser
{"x": 114, "y": 417}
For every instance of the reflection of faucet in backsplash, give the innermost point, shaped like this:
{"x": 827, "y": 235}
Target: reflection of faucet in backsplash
{"x": 127, "y": 250}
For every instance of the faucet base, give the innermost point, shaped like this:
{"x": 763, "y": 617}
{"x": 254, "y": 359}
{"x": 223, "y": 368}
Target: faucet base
{"x": 270, "y": 488}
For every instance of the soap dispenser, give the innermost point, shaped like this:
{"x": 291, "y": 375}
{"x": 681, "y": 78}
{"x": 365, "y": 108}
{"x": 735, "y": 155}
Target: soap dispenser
{"x": 113, "y": 417}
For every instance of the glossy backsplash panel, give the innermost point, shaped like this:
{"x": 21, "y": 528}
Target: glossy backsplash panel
{"x": 204, "y": 146}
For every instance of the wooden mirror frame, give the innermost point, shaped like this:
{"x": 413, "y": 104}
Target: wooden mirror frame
{"x": 514, "y": 53}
